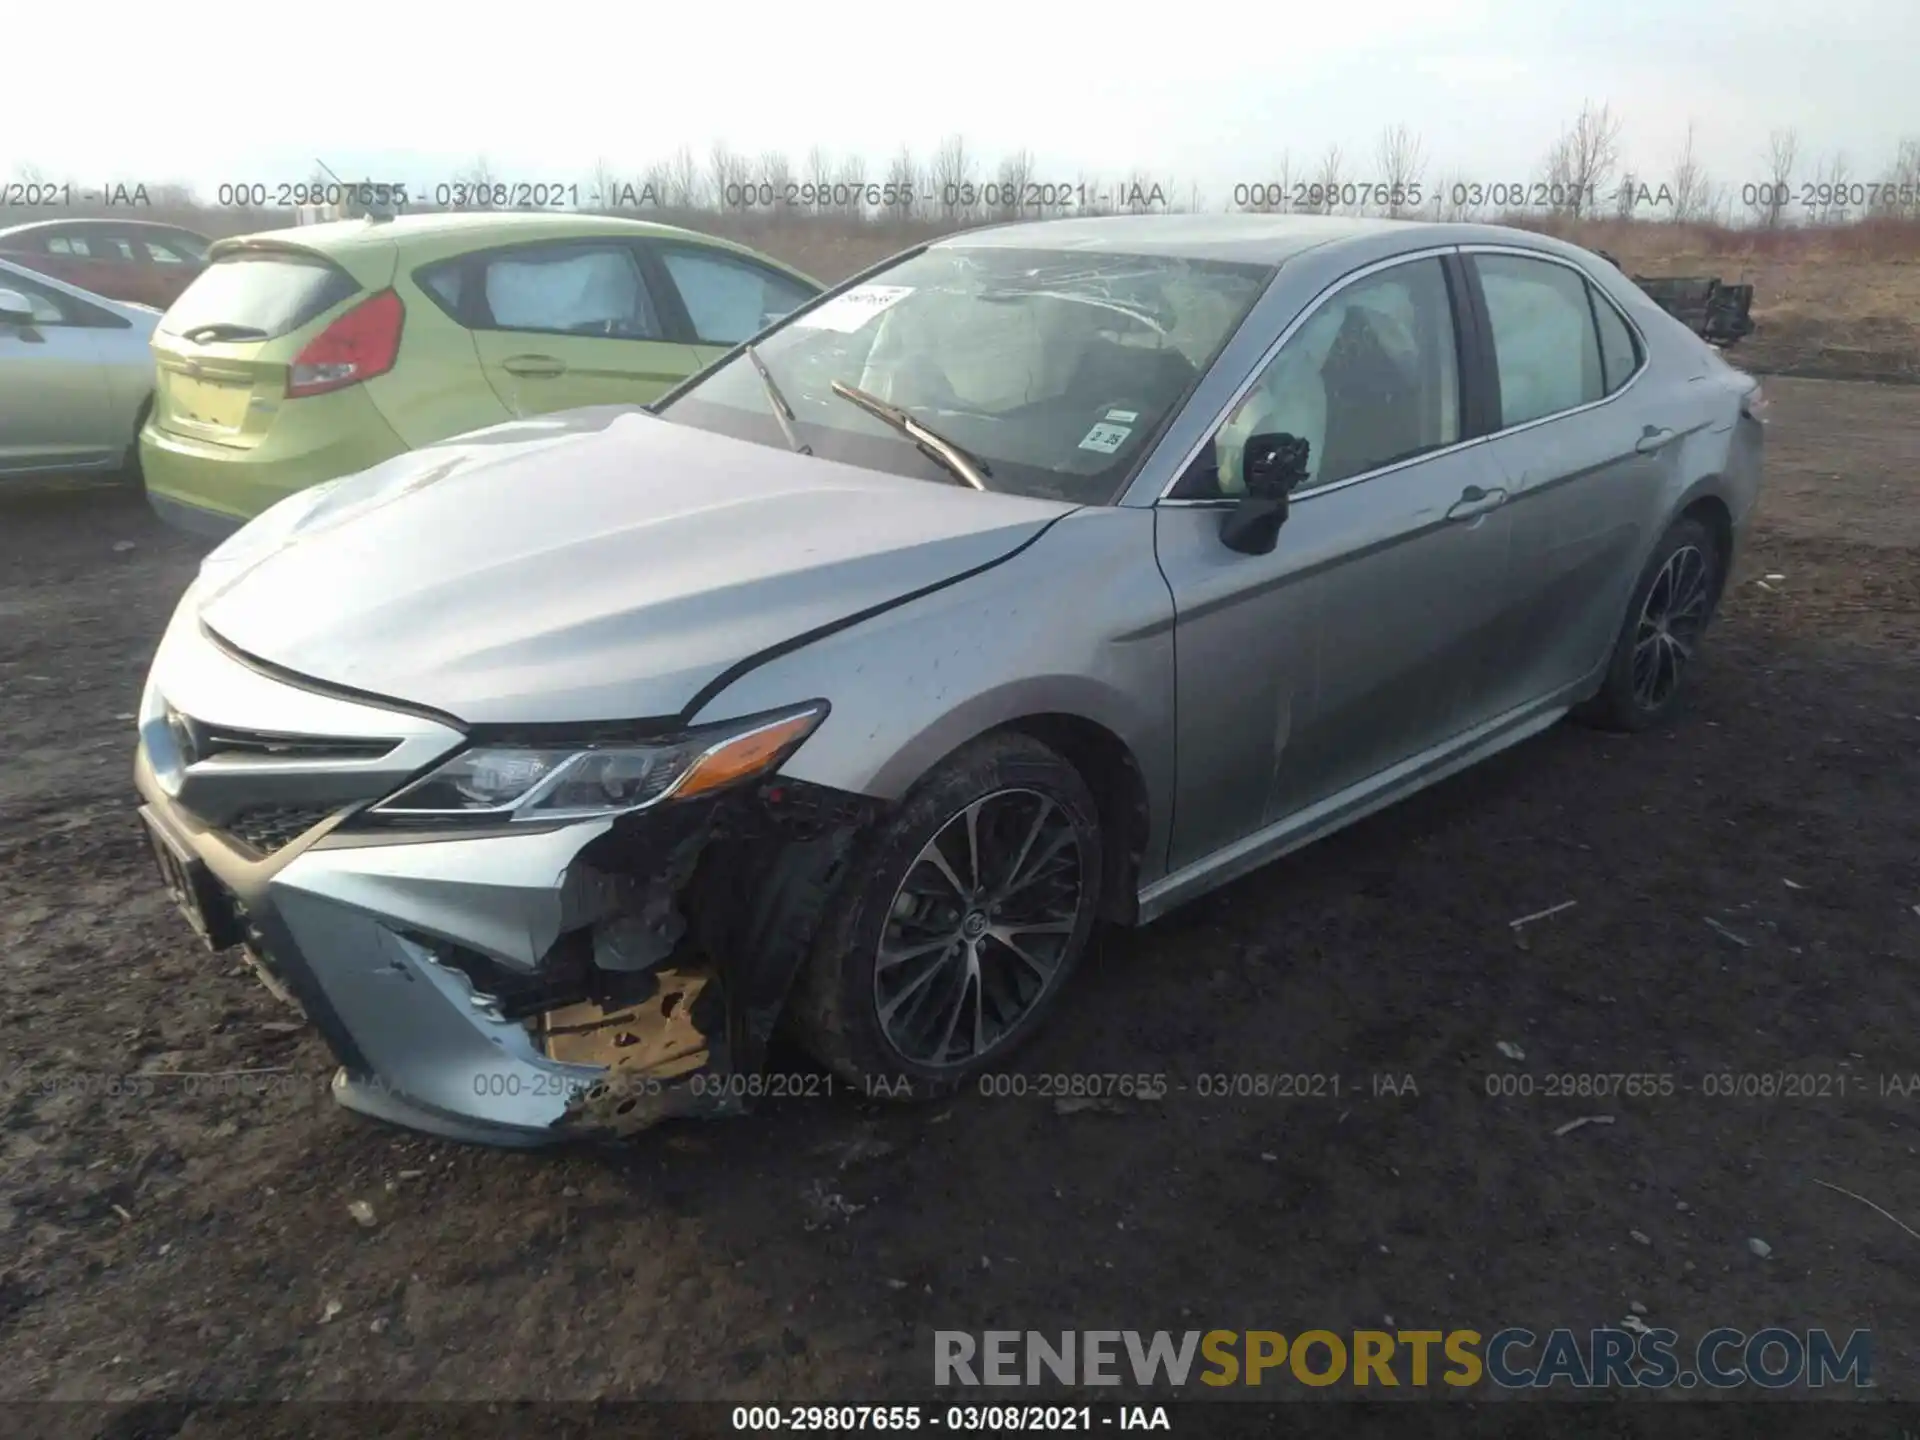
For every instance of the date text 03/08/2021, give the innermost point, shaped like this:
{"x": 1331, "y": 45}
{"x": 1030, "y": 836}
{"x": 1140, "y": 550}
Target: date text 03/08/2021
{"x": 960, "y": 1419}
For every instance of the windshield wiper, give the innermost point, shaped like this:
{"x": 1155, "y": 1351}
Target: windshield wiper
{"x": 782, "y": 411}
{"x": 223, "y": 330}
{"x": 967, "y": 467}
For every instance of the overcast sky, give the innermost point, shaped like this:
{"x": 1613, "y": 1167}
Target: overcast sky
{"x": 1206, "y": 92}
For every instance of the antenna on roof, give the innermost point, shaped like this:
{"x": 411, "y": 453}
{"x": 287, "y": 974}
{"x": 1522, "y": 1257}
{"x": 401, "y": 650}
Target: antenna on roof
{"x": 382, "y": 202}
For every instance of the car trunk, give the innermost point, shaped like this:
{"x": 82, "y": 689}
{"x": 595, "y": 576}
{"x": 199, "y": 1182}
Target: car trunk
{"x": 223, "y": 350}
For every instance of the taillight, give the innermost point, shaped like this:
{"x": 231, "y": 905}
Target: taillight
{"x": 1754, "y": 404}
{"x": 361, "y": 344}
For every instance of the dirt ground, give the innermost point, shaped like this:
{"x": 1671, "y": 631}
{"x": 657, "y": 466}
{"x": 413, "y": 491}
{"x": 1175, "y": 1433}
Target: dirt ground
{"x": 192, "y": 1238}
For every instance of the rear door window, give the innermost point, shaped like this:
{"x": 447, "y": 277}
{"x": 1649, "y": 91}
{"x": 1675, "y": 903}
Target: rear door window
{"x": 445, "y": 283}
{"x": 1619, "y": 351}
{"x": 729, "y": 300}
{"x": 274, "y": 292}
{"x": 594, "y": 290}
{"x": 1545, "y": 347}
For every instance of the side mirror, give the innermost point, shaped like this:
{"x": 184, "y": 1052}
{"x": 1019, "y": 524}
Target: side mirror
{"x": 15, "y": 308}
{"x": 1270, "y": 466}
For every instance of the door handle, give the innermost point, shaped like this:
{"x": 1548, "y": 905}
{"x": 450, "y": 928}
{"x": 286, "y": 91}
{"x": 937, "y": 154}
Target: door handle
{"x": 1652, "y": 439}
{"x": 1475, "y": 501}
{"x": 543, "y": 366}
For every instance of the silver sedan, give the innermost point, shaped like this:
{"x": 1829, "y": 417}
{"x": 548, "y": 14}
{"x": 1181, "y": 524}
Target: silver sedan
{"x": 1048, "y": 575}
{"x": 76, "y": 376}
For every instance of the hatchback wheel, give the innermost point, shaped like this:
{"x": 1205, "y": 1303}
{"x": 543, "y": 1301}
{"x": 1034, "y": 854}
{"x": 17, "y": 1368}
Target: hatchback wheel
{"x": 1665, "y": 623}
{"x": 960, "y": 923}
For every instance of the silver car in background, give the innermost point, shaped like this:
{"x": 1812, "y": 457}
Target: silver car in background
{"x": 1045, "y": 575}
{"x": 76, "y": 376}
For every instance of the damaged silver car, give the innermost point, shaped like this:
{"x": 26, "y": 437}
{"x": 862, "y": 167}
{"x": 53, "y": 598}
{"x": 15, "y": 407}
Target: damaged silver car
{"x": 1047, "y": 575}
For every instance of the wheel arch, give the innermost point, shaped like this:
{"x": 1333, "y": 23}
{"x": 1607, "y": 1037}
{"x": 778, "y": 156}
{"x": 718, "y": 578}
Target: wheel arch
{"x": 1097, "y": 730}
{"x": 1705, "y": 504}
{"x": 1119, "y": 787}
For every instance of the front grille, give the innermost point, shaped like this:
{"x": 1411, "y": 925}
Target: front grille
{"x": 265, "y": 828}
{"x": 211, "y": 740}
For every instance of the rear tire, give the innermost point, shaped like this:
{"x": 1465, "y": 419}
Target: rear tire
{"x": 1667, "y": 617}
{"x": 958, "y": 925}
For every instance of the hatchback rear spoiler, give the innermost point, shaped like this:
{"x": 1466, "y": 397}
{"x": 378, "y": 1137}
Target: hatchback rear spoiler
{"x": 1718, "y": 313}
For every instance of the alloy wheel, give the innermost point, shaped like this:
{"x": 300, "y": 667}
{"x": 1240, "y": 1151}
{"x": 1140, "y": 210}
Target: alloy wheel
{"x": 1672, "y": 618}
{"x": 978, "y": 928}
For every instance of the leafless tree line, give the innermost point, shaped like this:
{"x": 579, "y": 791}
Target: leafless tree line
{"x": 1583, "y": 174}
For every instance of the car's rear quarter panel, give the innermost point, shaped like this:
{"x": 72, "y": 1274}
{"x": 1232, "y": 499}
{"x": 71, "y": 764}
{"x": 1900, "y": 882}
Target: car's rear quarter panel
{"x": 437, "y": 388}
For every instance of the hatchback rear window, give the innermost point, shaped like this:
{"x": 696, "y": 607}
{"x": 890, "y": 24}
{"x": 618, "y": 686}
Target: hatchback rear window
{"x": 273, "y": 293}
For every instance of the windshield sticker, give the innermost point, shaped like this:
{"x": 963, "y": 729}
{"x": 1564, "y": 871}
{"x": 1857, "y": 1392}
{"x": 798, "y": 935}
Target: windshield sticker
{"x": 1106, "y": 438}
{"x": 847, "y": 313}
{"x": 1123, "y": 417}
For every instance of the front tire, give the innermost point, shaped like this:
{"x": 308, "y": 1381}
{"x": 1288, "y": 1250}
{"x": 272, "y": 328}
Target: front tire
{"x": 958, "y": 925}
{"x": 1666, "y": 620}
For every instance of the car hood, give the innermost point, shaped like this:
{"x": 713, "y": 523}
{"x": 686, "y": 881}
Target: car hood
{"x": 601, "y": 564}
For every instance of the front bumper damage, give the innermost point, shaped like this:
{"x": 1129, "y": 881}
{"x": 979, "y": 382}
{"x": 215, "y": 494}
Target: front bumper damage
{"x": 514, "y": 987}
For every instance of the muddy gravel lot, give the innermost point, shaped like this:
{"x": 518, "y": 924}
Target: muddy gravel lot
{"x": 1744, "y": 897}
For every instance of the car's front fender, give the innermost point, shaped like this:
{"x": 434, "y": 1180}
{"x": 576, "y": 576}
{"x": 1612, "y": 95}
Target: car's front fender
{"x": 1080, "y": 624}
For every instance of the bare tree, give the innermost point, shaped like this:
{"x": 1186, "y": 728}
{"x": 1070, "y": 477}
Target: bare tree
{"x": 1579, "y": 168}
{"x": 1016, "y": 174}
{"x": 817, "y": 194}
{"x": 603, "y": 186}
{"x": 728, "y": 175}
{"x": 850, "y": 182}
{"x": 1453, "y": 198}
{"x": 1141, "y": 194}
{"x": 953, "y": 179}
{"x": 475, "y": 184}
{"x": 1832, "y": 179}
{"x": 1323, "y": 192}
{"x": 1769, "y": 199}
{"x": 1401, "y": 161}
{"x": 901, "y": 194}
{"x": 1626, "y": 195}
{"x": 1091, "y": 195}
{"x": 657, "y": 190}
{"x": 773, "y": 179}
{"x": 680, "y": 187}
{"x": 1689, "y": 183}
{"x": 1900, "y": 196}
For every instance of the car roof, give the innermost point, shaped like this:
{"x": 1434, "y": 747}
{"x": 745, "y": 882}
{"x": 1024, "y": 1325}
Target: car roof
{"x": 459, "y": 231}
{"x": 1246, "y": 238}
{"x": 97, "y": 222}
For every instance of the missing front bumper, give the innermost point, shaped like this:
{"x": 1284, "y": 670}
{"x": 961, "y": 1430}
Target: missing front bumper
{"x": 433, "y": 966}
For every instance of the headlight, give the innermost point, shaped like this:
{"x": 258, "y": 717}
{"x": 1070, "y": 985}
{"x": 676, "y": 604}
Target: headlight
{"x": 565, "y": 782}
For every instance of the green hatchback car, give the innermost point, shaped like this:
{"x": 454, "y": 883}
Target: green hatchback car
{"x": 301, "y": 355}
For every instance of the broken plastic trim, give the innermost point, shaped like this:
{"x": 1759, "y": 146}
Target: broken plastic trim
{"x": 731, "y": 893}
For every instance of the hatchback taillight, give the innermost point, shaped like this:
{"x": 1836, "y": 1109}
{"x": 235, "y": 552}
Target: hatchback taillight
{"x": 361, "y": 344}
